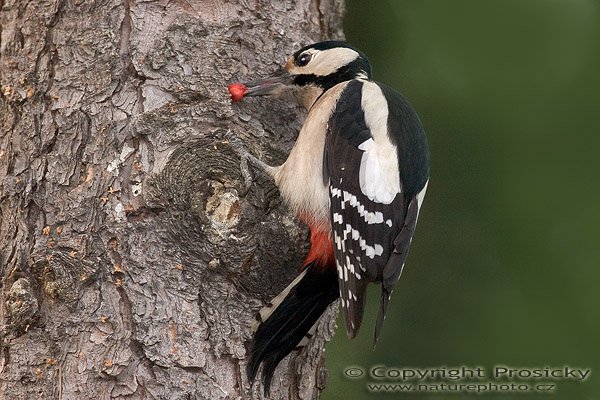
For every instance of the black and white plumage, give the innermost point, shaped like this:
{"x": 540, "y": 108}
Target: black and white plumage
{"x": 377, "y": 165}
{"x": 356, "y": 175}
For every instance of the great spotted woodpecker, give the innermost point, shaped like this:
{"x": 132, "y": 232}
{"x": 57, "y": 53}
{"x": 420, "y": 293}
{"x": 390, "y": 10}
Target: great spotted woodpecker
{"x": 356, "y": 175}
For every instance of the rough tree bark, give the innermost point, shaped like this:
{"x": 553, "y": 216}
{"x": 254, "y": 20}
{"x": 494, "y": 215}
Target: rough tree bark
{"x": 131, "y": 266}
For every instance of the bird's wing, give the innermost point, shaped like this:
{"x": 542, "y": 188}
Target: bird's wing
{"x": 374, "y": 205}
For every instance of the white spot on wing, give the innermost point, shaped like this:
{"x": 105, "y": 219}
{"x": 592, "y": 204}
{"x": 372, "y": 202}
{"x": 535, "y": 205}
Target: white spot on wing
{"x": 337, "y": 218}
{"x": 351, "y": 296}
{"x": 375, "y": 217}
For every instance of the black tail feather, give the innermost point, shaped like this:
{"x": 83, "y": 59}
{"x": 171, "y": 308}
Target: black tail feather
{"x": 383, "y": 305}
{"x": 290, "y": 320}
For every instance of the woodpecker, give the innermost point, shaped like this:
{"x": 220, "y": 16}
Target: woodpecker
{"x": 357, "y": 176}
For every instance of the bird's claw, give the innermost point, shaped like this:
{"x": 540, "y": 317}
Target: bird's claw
{"x": 246, "y": 174}
{"x": 245, "y": 160}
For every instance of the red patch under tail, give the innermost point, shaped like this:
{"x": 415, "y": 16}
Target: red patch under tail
{"x": 321, "y": 249}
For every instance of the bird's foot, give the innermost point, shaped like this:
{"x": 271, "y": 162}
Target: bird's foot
{"x": 246, "y": 159}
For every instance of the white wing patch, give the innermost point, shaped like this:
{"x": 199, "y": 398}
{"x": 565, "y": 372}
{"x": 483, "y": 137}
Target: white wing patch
{"x": 379, "y": 175}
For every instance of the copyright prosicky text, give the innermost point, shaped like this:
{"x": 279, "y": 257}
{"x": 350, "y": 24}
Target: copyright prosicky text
{"x": 465, "y": 379}
{"x": 497, "y": 372}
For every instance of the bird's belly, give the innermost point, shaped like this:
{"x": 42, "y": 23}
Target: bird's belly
{"x": 300, "y": 179}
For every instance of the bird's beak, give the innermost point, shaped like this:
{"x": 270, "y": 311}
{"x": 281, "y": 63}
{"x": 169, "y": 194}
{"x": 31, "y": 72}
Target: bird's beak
{"x": 270, "y": 85}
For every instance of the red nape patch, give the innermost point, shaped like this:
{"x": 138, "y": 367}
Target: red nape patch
{"x": 321, "y": 249}
{"x": 237, "y": 91}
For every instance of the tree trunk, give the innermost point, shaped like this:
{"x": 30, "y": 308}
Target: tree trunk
{"x": 132, "y": 265}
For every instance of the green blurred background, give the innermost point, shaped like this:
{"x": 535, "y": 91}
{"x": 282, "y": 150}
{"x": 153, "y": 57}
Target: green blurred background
{"x": 505, "y": 266}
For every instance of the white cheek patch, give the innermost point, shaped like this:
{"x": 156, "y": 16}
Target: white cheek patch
{"x": 326, "y": 62}
{"x": 379, "y": 175}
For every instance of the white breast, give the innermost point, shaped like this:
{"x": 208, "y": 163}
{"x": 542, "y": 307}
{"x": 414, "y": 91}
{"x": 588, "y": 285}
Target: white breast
{"x": 300, "y": 178}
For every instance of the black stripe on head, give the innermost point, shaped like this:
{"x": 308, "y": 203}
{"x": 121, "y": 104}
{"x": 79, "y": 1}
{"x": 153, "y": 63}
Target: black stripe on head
{"x": 359, "y": 67}
{"x": 346, "y": 73}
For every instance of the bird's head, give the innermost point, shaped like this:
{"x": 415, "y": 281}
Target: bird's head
{"x": 313, "y": 70}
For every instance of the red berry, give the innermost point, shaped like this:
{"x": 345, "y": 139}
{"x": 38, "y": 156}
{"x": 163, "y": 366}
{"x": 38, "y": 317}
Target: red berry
{"x": 237, "y": 91}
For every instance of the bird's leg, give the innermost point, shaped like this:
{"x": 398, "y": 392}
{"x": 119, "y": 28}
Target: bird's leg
{"x": 247, "y": 159}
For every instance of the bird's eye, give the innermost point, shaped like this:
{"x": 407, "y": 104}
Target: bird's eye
{"x": 303, "y": 60}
